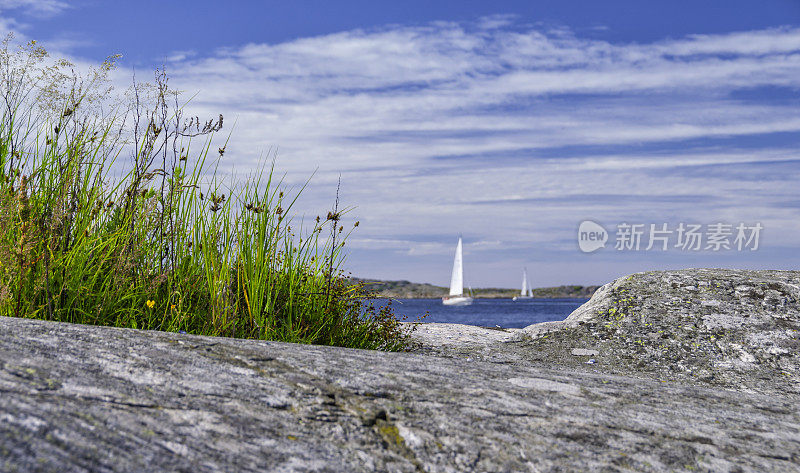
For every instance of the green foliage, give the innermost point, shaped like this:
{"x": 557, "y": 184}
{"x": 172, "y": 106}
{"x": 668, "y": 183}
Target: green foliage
{"x": 167, "y": 246}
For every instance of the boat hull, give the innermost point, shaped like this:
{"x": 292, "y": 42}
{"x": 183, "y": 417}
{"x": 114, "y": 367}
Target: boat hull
{"x": 457, "y": 300}
{"x": 521, "y": 298}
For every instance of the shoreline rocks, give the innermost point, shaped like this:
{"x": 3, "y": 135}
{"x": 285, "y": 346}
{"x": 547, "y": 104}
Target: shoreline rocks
{"x": 81, "y": 398}
{"x": 729, "y": 328}
{"x": 723, "y": 328}
{"x": 569, "y": 396}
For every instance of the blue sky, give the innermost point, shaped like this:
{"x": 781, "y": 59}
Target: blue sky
{"x": 507, "y": 122}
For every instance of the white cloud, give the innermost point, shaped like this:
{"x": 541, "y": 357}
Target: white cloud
{"x": 426, "y": 122}
{"x": 40, "y": 8}
{"x": 10, "y": 10}
{"x": 384, "y": 107}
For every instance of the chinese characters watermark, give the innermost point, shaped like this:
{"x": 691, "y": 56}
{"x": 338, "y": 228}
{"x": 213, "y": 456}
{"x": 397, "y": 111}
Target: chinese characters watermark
{"x": 662, "y": 237}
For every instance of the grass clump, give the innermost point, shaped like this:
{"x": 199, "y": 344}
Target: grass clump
{"x": 166, "y": 245}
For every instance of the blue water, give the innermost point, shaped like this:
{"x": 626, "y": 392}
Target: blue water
{"x": 489, "y": 312}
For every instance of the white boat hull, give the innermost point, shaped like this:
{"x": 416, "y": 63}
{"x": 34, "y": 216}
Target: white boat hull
{"x": 521, "y": 298}
{"x": 457, "y": 300}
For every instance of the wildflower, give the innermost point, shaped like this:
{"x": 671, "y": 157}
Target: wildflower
{"x": 150, "y": 303}
{"x": 172, "y": 307}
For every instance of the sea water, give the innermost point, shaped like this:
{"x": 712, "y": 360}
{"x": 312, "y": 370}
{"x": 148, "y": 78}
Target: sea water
{"x": 504, "y": 313}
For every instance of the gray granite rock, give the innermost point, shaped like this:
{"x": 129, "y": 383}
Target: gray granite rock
{"x": 78, "y": 399}
{"x": 710, "y": 327}
{"x": 728, "y": 328}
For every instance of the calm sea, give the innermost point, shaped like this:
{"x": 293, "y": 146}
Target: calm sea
{"x": 489, "y": 312}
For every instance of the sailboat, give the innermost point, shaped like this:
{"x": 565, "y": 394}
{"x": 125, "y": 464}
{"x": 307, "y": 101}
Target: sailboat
{"x": 525, "y": 284}
{"x": 457, "y": 296}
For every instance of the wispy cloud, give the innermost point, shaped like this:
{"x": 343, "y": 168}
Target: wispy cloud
{"x": 501, "y": 100}
{"x": 543, "y": 128}
{"x": 15, "y": 16}
{"x": 38, "y": 8}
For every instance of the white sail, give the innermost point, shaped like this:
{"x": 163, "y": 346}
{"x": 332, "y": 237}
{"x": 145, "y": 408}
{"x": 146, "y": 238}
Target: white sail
{"x": 457, "y": 297}
{"x": 526, "y": 286}
{"x": 457, "y": 278}
{"x": 524, "y": 282}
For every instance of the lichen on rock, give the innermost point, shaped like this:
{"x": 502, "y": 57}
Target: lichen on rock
{"x": 731, "y": 328}
{"x": 661, "y": 371}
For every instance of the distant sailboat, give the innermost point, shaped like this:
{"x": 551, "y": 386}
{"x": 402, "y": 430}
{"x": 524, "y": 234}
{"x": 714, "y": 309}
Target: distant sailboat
{"x": 525, "y": 284}
{"x": 457, "y": 296}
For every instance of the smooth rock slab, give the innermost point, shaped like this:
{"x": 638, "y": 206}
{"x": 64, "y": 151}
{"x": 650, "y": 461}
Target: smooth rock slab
{"x": 78, "y": 398}
{"x": 717, "y": 328}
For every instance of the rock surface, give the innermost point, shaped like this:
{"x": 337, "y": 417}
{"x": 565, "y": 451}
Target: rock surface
{"x": 712, "y": 327}
{"x": 79, "y": 398}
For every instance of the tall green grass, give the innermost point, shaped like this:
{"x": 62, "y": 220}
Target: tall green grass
{"x": 167, "y": 245}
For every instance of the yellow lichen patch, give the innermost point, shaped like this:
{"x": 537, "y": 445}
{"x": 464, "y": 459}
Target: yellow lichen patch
{"x": 391, "y": 434}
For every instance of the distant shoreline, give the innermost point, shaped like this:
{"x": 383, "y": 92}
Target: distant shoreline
{"x": 410, "y": 290}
